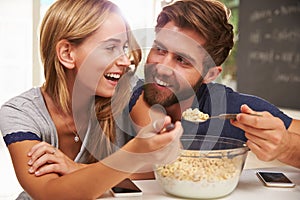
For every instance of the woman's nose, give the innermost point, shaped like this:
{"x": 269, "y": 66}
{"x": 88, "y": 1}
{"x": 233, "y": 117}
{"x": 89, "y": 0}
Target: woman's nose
{"x": 123, "y": 61}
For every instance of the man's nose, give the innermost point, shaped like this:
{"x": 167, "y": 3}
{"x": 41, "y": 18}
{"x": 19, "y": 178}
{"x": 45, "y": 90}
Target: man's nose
{"x": 165, "y": 65}
{"x": 164, "y": 70}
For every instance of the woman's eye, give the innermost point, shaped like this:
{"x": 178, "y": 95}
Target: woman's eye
{"x": 126, "y": 49}
{"x": 110, "y": 48}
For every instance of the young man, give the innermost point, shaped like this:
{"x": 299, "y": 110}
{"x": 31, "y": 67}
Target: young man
{"x": 193, "y": 38}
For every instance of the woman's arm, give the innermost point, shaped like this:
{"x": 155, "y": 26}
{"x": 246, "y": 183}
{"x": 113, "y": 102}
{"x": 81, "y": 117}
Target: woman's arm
{"x": 44, "y": 159}
{"x": 143, "y": 176}
{"x": 86, "y": 184}
{"x": 93, "y": 180}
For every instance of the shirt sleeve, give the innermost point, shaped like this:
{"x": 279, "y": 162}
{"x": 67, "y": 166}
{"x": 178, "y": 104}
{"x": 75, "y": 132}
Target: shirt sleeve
{"x": 18, "y": 123}
{"x": 260, "y": 104}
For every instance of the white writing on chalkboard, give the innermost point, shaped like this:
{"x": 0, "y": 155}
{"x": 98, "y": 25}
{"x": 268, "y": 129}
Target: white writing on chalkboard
{"x": 276, "y": 35}
{"x": 267, "y": 14}
{"x": 287, "y": 78}
{"x": 269, "y": 50}
{"x": 270, "y": 56}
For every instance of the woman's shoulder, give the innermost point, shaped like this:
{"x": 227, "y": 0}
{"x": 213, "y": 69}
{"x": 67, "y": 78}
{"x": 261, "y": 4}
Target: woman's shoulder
{"x": 26, "y": 113}
{"x": 29, "y": 102}
{"x": 32, "y": 96}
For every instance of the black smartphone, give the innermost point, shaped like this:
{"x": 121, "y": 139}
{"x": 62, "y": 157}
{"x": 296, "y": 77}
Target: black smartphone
{"x": 126, "y": 188}
{"x": 275, "y": 179}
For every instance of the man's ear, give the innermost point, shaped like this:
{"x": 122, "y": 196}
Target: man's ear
{"x": 212, "y": 74}
{"x": 65, "y": 54}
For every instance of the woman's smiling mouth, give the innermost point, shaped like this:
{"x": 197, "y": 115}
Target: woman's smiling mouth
{"x": 112, "y": 76}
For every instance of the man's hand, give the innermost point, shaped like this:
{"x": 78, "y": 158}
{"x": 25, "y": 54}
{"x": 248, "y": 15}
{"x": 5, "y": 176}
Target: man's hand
{"x": 267, "y": 136}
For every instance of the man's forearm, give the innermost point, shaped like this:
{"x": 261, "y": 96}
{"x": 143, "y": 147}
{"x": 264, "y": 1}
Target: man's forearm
{"x": 292, "y": 155}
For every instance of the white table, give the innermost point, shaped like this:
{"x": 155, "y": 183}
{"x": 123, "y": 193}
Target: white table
{"x": 249, "y": 186}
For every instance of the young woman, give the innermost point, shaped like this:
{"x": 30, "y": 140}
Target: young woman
{"x": 84, "y": 46}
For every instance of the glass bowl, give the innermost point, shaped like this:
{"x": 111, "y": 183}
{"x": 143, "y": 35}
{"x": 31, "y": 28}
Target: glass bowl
{"x": 207, "y": 167}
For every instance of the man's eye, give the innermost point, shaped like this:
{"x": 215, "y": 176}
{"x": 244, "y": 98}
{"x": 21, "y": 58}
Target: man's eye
{"x": 159, "y": 49}
{"x": 182, "y": 60}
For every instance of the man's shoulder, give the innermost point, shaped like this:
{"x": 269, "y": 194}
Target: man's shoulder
{"x": 138, "y": 82}
{"x": 217, "y": 88}
{"x": 136, "y": 93}
{"x": 214, "y": 89}
{"x": 138, "y": 87}
{"x": 236, "y": 99}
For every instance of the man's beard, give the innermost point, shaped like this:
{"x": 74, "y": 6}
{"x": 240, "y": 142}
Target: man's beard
{"x": 167, "y": 98}
{"x": 153, "y": 96}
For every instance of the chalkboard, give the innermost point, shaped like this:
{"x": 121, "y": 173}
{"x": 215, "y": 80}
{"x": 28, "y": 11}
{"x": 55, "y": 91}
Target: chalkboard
{"x": 268, "y": 51}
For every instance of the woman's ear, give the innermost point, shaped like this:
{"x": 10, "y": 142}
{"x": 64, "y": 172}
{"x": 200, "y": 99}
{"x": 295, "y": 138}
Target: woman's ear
{"x": 212, "y": 74}
{"x": 65, "y": 54}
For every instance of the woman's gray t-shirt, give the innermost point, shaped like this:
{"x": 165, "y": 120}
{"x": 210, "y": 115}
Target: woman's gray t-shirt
{"x": 27, "y": 113}
{"x": 26, "y": 117}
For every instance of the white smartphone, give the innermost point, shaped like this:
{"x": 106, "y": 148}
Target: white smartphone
{"x": 275, "y": 179}
{"x": 126, "y": 188}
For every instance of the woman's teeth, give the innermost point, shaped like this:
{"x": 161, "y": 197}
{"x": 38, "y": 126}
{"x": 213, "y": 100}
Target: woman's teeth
{"x": 112, "y": 76}
{"x": 160, "y": 82}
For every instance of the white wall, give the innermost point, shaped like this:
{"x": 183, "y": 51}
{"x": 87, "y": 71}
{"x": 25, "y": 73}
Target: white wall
{"x": 15, "y": 73}
{"x": 15, "y": 48}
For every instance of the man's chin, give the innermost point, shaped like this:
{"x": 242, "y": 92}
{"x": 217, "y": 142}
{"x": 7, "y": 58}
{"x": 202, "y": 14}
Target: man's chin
{"x": 156, "y": 97}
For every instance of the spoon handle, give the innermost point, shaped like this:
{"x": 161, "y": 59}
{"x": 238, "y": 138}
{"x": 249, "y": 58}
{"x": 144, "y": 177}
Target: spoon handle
{"x": 225, "y": 116}
{"x": 230, "y": 116}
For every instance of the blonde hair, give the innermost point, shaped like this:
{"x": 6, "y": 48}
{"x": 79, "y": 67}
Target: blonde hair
{"x": 75, "y": 21}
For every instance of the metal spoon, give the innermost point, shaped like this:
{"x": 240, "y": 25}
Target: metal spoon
{"x": 221, "y": 116}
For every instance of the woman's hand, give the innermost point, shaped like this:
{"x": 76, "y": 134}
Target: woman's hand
{"x": 155, "y": 141}
{"x": 44, "y": 159}
{"x": 266, "y": 134}
{"x": 152, "y": 145}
